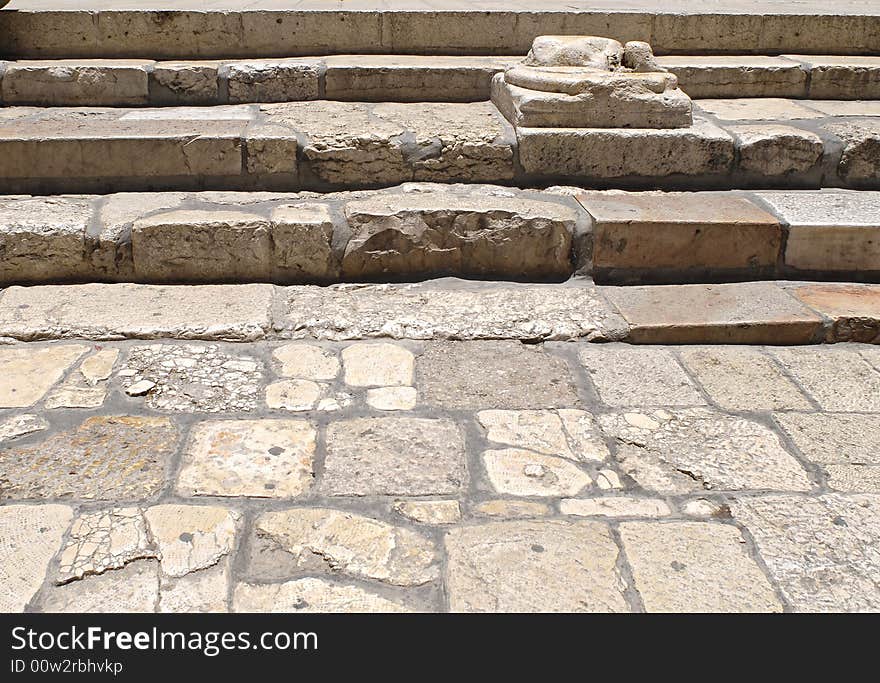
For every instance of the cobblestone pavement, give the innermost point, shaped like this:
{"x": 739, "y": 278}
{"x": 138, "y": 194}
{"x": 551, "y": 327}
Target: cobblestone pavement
{"x": 435, "y": 476}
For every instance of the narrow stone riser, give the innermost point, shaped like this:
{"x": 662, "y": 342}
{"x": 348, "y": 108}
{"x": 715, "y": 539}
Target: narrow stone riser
{"x": 256, "y": 33}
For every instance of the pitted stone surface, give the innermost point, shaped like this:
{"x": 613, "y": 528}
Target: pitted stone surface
{"x": 193, "y": 377}
{"x": 534, "y": 567}
{"x": 134, "y": 588}
{"x": 398, "y": 456}
{"x": 392, "y": 398}
{"x": 834, "y": 438}
{"x": 310, "y": 595}
{"x": 307, "y": 361}
{"x": 322, "y": 539}
{"x": 567, "y": 433}
{"x": 293, "y": 395}
{"x": 694, "y": 449}
{"x": 29, "y": 373}
{"x": 104, "y": 458}
{"x": 190, "y": 538}
{"x": 518, "y": 472}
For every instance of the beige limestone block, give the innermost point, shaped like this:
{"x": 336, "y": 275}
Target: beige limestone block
{"x": 429, "y": 511}
{"x": 377, "y": 364}
{"x": 614, "y": 507}
{"x": 310, "y": 595}
{"x": 307, "y": 361}
{"x": 392, "y": 398}
{"x": 519, "y": 472}
{"x": 28, "y": 373}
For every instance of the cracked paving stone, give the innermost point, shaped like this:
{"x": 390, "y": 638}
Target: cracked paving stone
{"x": 202, "y": 591}
{"x": 614, "y": 507}
{"x": 30, "y": 535}
{"x": 377, "y": 365}
{"x": 310, "y": 595}
{"x": 394, "y": 456}
{"x": 134, "y": 588}
{"x": 494, "y": 374}
{"x": 429, "y": 511}
{"x": 694, "y": 449}
{"x": 87, "y": 387}
{"x": 822, "y": 552}
{"x": 191, "y": 537}
{"x": 104, "y": 458}
{"x": 323, "y": 539}
{"x": 28, "y": 372}
{"x": 534, "y": 566}
{"x": 21, "y": 425}
{"x": 695, "y": 567}
{"x": 518, "y": 472}
{"x": 307, "y": 361}
{"x": 569, "y": 434}
{"x": 258, "y": 458}
{"x": 194, "y": 378}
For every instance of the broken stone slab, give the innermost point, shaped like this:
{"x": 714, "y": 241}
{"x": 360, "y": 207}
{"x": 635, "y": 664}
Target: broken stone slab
{"x": 132, "y": 588}
{"x": 860, "y": 162}
{"x": 518, "y": 472}
{"x": 29, "y": 373}
{"x": 184, "y": 83}
{"x": 853, "y": 309}
{"x": 571, "y": 434}
{"x": 284, "y": 80}
{"x": 21, "y": 425}
{"x": 776, "y": 150}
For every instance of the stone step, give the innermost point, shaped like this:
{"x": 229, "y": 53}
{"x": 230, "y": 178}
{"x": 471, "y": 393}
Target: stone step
{"x": 269, "y": 28}
{"x": 780, "y": 313}
{"x": 395, "y": 78}
{"x": 321, "y": 145}
{"x": 421, "y": 230}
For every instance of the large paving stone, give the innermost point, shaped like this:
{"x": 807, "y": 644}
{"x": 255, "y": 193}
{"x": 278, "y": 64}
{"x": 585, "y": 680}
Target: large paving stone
{"x": 742, "y": 378}
{"x": 649, "y": 234}
{"x": 860, "y": 162}
{"x": 28, "y": 373}
{"x": 690, "y": 450}
{"x": 311, "y": 595}
{"x": 472, "y": 235}
{"x": 326, "y": 540}
{"x": 397, "y": 456}
{"x": 450, "y": 309}
{"x": 72, "y": 82}
{"x": 377, "y": 365}
{"x": 625, "y": 376}
{"x": 104, "y": 458}
{"x": 737, "y": 76}
{"x": 614, "y": 506}
{"x": 494, "y": 374}
{"x": 834, "y": 438}
{"x": 518, "y": 472}
{"x": 30, "y": 535}
{"x": 532, "y": 566}
{"x": 99, "y": 311}
{"x": 759, "y": 109}
{"x": 258, "y": 458}
{"x": 695, "y": 567}
{"x": 854, "y": 310}
{"x": 743, "y": 313}
{"x": 571, "y": 434}
{"x": 821, "y": 551}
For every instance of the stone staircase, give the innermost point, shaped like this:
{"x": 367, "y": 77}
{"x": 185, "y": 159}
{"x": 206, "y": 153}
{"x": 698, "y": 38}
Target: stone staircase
{"x": 314, "y": 145}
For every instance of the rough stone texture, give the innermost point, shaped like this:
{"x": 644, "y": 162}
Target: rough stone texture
{"x": 821, "y": 551}
{"x": 511, "y": 508}
{"x": 190, "y": 538}
{"x": 493, "y": 374}
{"x": 614, "y": 507}
{"x": 853, "y": 478}
{"x": 518, "y": 472}
{"x": 301, "y": 242}
{"x": 450, "y": 309}
{"x": 286, "y": 80}
{"x": 758, "y": 109}
{"x": 696, "y": 449}
{"x": 203, "y": 591}
{"x": 77, "y": 82}
{"x": 260, "y": 458}
{"x": 854, "y": 310}
{"x": 105, "y": 458}
{"x": 87, "y": 387}
{"x": 370, "y": 365}
{"x": 843, "y": 78}
{"x": 695, "y": 567}
{"x": 533, "y": 567}
{"x": 860, "y": 163}
{"x": 648, "y": 233}
{"x": 737, "y": 76}
{"x": 742, "y": 378}
{"x": 603, "y": 153}
{"x": 838, "y": 379}
{"x": 29, "y": 373}
{"x": 307, "y": 361}
{"x": 321, "y": 539}
{"x": 99, "y": 311}
{"x": 21, "y": 425}
{"x": 475, "y": 235}
{"x": 398, "y": 456}
{"x": 192, "y": 377}
{"x": 30, "y": 535}
{"x": 310, "y": 595}
{"x": 44, "y": 239}
{"x": 742, "y": 313}
{"x": 392, "y": 398}
{"x": 429, "y": 511}
{"x": 834, "y": 438}
{"x": 184, "y": 83}
{"x": 134, "y": 588}
{"x": 774, "y": 150}
{"x": 570, "y": 434}
{"x": 293, "y": 394}
{"x": 625, "y": 376}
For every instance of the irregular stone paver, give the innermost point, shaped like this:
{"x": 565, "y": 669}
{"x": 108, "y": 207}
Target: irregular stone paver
{"x": 397, "y": 456}
{"x": 626, "y": 376}
{"x": 322, "y": 539}
{"x": 191, "y": 537}
{"x": 429, "y": 511}
{"x": 87, "y": 387}
{"x": 203, "y": 591}
{"x": 834, "y": 438}
{"x": 821, "y": 551}
{"x": 310, "y": 595}
{"x": 510, "y": 509}
{"x": 104, "y": 458}
{"x": 526, "y": 566}
{"x": 259, "y": 458}
{"x": 392, "y": 398}
{"x": 306, "y": 361}
{"x": 21, "y": 425}
{"x": 192, "y": 377}
{"x": 493, "y": 374}
{"x": 30, "y": 535}
{"x": 570, "y": 433}
{"x": 614, "y": 507}
{"x": 695, "y": 567}
{"x": 29, "y": 373}
{"x": 519, "y": 472}
{"x": 695, "y": 449}
{"x": 382, "y": 365}
{"x": 134, "y": 588}
{"x": 743, "y": 378}
{"x": 293, "y": 394}
{"x": 853, "y": 478}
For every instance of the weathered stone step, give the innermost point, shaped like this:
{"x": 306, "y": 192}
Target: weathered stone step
{"x": 186, "y": 28}
{"x": 740, "y": 313}
{"x": 423, "y": 230}
{"x": 321, "y": 145}
{"x": 395, "y": 78}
